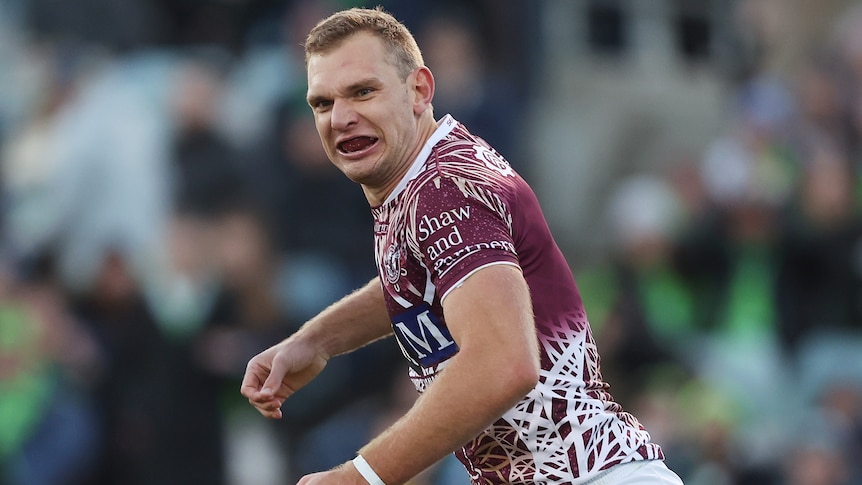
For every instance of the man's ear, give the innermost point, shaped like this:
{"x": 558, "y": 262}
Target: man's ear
{"x": 423, "y": 89}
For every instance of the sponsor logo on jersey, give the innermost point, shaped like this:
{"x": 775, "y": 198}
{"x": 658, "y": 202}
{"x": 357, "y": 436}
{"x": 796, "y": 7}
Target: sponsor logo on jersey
{"x": 445, "y": 263}
{"x": 428, "y": 225}
{"x": 423, "y": 338}
{"x": 431, "y": 225}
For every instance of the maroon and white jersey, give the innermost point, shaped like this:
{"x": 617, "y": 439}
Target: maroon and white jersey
{"x": 461, "y": 208}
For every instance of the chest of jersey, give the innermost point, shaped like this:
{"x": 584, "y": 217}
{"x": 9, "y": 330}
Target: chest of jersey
{"x": 411, "y": 299}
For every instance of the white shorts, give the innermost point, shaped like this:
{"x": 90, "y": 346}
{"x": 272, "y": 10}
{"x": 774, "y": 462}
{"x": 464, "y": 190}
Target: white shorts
{"x": 648, "y": 472}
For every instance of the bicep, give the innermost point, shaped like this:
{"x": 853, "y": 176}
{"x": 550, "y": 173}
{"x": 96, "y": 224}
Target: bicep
{"x": 490, "y": 312}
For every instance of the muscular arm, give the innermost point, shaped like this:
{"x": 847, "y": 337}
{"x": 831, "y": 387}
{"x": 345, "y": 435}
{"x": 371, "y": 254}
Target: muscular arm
{"x": 350, "y": 323}
{"x": 276, "y": 373}
{"x": 490, "y": 317}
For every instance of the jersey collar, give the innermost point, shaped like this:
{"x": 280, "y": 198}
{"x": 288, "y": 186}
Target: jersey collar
{"x": 444, "y": 127}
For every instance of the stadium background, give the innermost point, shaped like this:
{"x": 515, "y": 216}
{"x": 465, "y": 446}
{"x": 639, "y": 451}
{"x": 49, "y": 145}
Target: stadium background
{"x": 167, "y": 212}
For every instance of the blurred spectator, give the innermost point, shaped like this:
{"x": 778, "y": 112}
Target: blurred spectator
{"x": 739, "y": 355}
{"x": 816, "y": 463}
{"x": 160, "y": 411}
{"x": 246, "y": 260}
{"x": 271, "y": 68}
{"x": 508, "y": 38}
{"x": 99, "y": 175}
{"x": 662, "y": 406}
{"x": 729, "y": 259}
{"x": 205, "y": 174}
{"x": 96, "y": 22}
{"x": 30, "y": 161}
{"x": 642, "y": 312}
{"x": 754, "y": 46}
{"x": 708, "y": 444}
{"x": 820, "y": 278}
{"x": 825, "y": 107}
{"x": 48, "y": 363}
{"x": 326, "y": 243}
{"x": 185, "y": 288}
{"x": 699, "y": 252}
{"x": 751, "y": 161}
{"x": 826, "y": 440}
{"x": 465, "y": 84}
{"x": 247, "y": 264}
{"x": 830, "y": 385}
{"x": 847, "y": 43}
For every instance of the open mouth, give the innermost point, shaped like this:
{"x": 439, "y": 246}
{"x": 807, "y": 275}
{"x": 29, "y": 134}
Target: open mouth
{"x": 357, "y": 144}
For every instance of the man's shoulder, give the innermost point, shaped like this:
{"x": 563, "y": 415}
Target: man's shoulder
{"x": 459, "y": 160}
{"x": 460, "y": 166}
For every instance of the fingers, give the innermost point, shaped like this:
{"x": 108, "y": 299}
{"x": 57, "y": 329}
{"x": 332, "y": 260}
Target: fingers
{"x": 275, "y": 374}
{"x": 261, "y": 386}
{"x": 273, "y": 383}
{"x": 250, "y": 388}
{"x": 252, "y": 381}
{"x": 270, "y": 409}
{"x": 266, "y": 403}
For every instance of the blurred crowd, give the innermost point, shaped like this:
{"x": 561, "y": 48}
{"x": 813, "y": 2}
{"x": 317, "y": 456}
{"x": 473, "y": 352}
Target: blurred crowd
{"x": 167, "y": 212}
{"x": 729, "y": 309}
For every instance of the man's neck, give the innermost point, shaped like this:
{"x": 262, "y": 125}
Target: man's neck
{"x": 377, "y": 196}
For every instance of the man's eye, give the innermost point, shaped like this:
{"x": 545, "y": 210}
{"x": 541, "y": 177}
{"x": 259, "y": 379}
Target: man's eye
{"x": 322, "y": 104}
{"x": 364, "y": 92}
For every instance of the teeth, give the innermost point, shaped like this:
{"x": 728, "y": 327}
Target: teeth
{"x": 356, "y": 144}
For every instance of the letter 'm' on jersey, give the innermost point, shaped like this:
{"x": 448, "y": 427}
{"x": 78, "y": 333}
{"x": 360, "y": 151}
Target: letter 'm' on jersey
{"x": 424, "y": 340}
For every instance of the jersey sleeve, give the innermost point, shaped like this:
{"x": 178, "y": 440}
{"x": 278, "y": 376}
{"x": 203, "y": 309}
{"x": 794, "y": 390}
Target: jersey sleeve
{"x": 459, "y": 227}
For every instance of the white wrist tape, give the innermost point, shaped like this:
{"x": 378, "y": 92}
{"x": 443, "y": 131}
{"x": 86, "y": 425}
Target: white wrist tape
{"x": 366, "y": 471}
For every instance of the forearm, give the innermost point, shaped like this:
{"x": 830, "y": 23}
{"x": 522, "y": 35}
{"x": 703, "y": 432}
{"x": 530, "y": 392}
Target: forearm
{"x": 497, "y": 364}
{"x": 350, "y": 323}
{"x": 468, "y": 396}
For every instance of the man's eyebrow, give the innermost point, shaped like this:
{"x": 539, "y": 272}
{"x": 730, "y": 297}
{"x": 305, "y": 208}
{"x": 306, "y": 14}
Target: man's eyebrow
{"x": 363, "y": 83}
{"x": 313, "y": 99}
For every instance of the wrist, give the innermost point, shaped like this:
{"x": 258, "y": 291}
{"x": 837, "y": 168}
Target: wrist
{"x": 364, "y": 469}
{"x": 309, "y": 340}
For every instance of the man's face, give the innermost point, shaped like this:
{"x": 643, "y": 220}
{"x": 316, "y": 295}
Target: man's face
{"x": 366, "y": 115}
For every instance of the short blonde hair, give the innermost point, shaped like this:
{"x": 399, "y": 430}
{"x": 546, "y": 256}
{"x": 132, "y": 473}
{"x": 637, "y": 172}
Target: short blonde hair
{"x": 332, "y": 31}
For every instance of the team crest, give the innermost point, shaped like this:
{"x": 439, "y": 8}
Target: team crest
{"x": 493, "y": 160}
{"x": 392, "y": 263}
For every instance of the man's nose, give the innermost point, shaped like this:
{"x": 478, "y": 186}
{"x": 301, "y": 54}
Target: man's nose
{"x": 343, "y": 114}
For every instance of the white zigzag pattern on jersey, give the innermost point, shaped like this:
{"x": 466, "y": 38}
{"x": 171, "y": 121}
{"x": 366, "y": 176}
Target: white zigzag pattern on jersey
{"x": 543, "y": 453}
